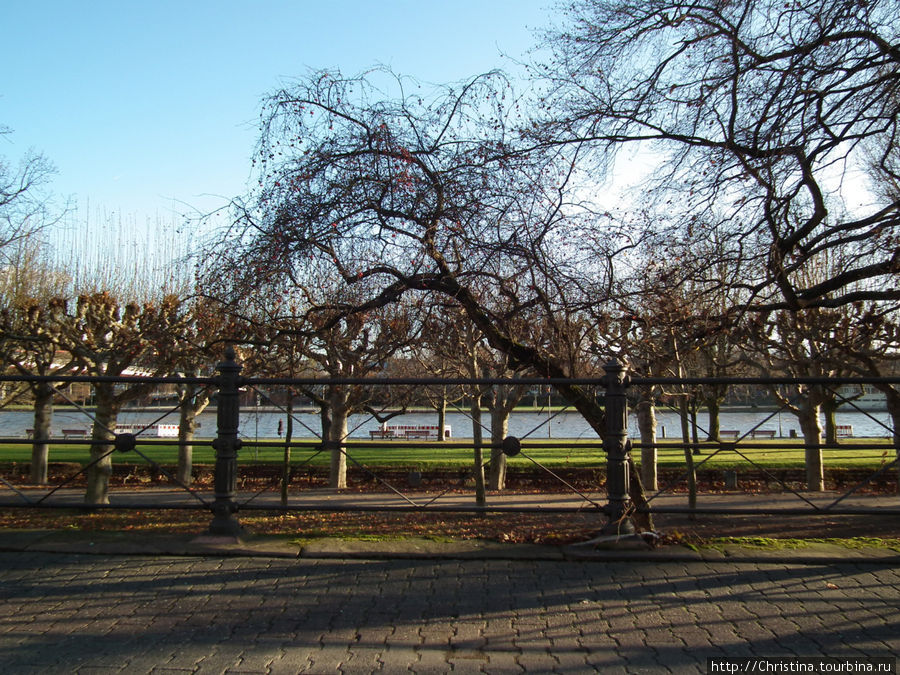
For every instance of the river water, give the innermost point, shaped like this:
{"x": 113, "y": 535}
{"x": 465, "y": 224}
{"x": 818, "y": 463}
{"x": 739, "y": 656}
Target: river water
{"x": 533, "y": 424}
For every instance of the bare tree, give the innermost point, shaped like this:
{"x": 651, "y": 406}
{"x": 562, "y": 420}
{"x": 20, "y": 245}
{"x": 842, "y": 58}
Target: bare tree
{"x": 760, "y": 113}
{"x": 457, "y": 343}
{"x": 194, "y": 344}
{"x": 865, "y": 338}
{"x": 330, "y": 342}
{"x": 801, "y": 344}
{"x": 107, "y": 337}
{"x": 26, "y": 206}
{"x": 32, "y": 348}
{"x": 27, "y": 341}
{"x": 422, "y": 193}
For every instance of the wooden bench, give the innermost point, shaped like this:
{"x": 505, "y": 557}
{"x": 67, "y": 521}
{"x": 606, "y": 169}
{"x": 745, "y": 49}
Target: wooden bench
{"x": 381, "y": 433}
{"x": 74, "y": 433}
{"x": 762, "y": 433}
{"x": 418, "y": 433}
{"x": 728, "y": 433}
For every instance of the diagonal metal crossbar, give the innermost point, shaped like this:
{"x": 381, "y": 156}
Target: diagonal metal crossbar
{"x": 732, "y": 447}
{"x": 120, "y": 442}
{"x": 512, "y": 447}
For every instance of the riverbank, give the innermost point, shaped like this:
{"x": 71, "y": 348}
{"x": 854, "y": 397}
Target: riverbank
{"x": 264, "y": 423}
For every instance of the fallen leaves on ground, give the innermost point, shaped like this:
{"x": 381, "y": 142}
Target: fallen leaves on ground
{"x": 510, "y": 528}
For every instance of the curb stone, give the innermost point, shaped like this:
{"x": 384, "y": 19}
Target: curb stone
{"x": 129, "y": 543}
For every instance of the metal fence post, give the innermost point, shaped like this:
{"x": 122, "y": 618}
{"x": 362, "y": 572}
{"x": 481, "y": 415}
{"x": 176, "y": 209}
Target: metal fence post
{"x": 226, "y": 445}
{"x": 616, "y": 445}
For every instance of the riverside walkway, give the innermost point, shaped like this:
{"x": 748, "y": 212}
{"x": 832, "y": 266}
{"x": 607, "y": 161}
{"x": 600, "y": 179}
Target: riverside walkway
{"x": 78, "y": 613}
{"x": 128, "y": 602}
{"x": 324, "y": 498}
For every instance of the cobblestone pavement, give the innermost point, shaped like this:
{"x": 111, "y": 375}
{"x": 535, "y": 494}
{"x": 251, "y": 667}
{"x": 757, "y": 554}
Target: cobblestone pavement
{"x": 62, "y": 613}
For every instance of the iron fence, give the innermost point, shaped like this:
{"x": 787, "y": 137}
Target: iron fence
{"x": 616, "y": 506}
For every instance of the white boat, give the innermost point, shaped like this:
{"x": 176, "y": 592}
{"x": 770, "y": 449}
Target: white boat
{"x": 425, "y": 432}
{"x": 861, "y": 396}
{"x": 158, "y": 430}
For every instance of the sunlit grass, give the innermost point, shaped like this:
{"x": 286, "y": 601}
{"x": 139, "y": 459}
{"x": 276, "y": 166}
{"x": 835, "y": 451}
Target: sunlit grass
{"x": 855, "y": 453}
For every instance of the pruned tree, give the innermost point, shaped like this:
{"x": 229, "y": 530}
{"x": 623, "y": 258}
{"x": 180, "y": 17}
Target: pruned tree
{"x": 28, "y": 344}
{"x": 107, "y": 337}
{"x": 331, "y": 342}
{"x": 357, "y": 345}
{"x": 33, "y": 348}
{"x": 453, "y": 340}
{"x": 193, "y": 347}
{"x": 865, "y": 338}
{"x": 800, "y": 344}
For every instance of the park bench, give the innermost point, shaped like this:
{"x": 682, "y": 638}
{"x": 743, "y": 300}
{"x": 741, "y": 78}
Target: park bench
{"x": 74, "y": 433}
{"x": 381, "y": 433}
{"x": 763, "y": 433}
{"x": 728, "y": 433}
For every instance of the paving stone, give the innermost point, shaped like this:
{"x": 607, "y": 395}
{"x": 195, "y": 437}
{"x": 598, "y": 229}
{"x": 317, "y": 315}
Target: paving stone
{"x": 502, "y": 662}
{"x": 328, "y": 658}
{"x": 393, "y": 660}
{"x": 431, "y": 661}
{"x": 290, "y": 661}
{"x": 175, "y": 614}
{"x": 537, "y": 661}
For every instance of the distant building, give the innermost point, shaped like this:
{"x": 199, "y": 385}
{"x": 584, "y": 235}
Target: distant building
{"x": 863, "y": 396}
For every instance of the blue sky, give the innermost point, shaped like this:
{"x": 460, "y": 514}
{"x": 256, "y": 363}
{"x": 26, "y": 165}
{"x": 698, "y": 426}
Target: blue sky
{"x": 142, "y": 105}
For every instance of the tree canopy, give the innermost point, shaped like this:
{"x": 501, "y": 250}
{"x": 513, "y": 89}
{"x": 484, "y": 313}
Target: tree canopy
{"x": 762, "y": 114}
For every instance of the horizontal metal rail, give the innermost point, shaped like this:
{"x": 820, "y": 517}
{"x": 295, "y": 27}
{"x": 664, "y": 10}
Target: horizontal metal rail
{"x": 453, "y": 381}
{"x": 229, "y": 385}
{"x": 411, "y": 508}
{"x": 407, "y": 508}
{"x": 773, "y": 444}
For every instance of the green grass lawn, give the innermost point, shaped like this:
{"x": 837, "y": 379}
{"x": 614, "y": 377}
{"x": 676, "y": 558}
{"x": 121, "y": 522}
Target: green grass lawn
{"x": 771, "y": 454}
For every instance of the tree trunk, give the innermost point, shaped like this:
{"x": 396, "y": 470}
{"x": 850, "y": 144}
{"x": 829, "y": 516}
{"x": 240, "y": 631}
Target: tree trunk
{"x": 337, "y": 434}
{"x": 688, "y": 454}
{"x": 892, "y": 399}
{"x": 286, "y": 464}
{"x": 812, "y": 437}
{"x": 442, "y": 414}
{"x": 325, "y": 419}
{"x": 829, "y": 408}
{"x": 695, "y": 439}
{"x": 187, "y": 425}
{"x": 713, "y": 408}
{"x": 478, "y": 460}
{"x": 646, "y": 414}
{"x": 102, "y": 435}
{"x": 499, "y": 430}
{"x": 40, "y": 451}
{"x": 193, "y": 401}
